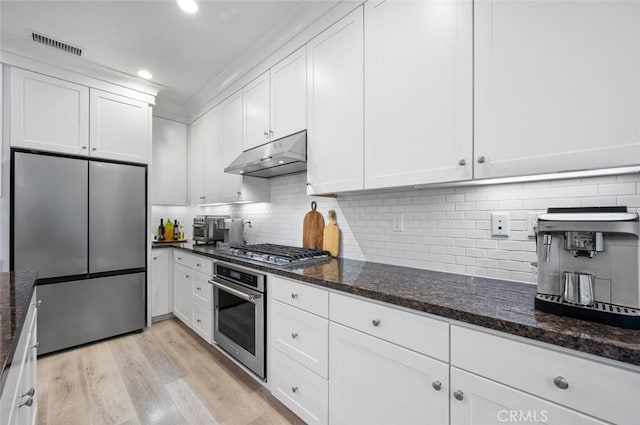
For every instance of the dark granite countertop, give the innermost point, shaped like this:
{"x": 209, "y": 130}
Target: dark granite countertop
{"x": 16, "y": 290}
{"x": 494, "y": 304}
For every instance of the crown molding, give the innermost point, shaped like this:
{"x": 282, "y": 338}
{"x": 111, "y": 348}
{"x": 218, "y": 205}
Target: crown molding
{"x": 22, "y": 53}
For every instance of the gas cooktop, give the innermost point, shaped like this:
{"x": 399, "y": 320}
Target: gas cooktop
{"x": 276, "y": 254}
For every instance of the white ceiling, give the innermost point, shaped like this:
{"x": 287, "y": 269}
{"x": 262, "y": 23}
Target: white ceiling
{"x": 182, "y": 51}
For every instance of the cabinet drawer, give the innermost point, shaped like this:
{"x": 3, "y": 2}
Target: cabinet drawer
{"x": 313, "y": 300}
{"x": 302, "y": 336}
{"x": 195, "y": 262}
{"x": 202, "y": 320}
{"x": 202, "y": 289}
{"x": 533, "y": 369}
{"x": 419, "y": 333}
{"x": 301, "y": 390}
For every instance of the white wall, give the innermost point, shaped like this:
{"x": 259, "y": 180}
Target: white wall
{"x": 445, "y": 229}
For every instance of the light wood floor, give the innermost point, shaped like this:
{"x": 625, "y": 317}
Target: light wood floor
{"x": 164, "y": 375}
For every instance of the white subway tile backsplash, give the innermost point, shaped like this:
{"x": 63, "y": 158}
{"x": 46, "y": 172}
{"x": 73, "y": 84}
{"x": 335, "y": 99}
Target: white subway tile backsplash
{"x": 446, "y": 229}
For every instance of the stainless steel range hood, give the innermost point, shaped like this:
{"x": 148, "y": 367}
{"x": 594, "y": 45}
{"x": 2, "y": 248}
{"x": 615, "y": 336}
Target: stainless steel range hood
{"x": 283, "y": 156}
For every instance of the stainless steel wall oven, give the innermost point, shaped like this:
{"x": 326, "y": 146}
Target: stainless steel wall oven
{"x": 239, "y": 314}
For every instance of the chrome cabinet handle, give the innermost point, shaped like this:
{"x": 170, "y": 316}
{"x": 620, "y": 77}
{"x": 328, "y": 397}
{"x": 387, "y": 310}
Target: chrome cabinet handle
{"x": 561, "y": 382}
{"x": 29, "y": 393}
{"x": 294, "y": 335}
{"x": 459, "y": 395}
{"x": 437, "y": 385}
{"x": 294, "y": 296}
{"x": 270, "y": 132}
{"x": 481, "y": 159}
{"x": 37, "y": 303}
{"x": 294, "y": 389}
{"x": 462, "y": 162}
{"x": 155, "y": 258}
{"x": 375, "y": 322}
{"x": 84, "y": 147}
{"x": 266, "y": 133}
{"x": 28, "y": 402}
{"x": 94, "y": 149}
{"x": 36, "y": 345}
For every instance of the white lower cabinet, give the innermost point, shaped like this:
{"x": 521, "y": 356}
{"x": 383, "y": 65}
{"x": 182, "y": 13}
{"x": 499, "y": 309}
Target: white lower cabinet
{"x": 161, "y": 283}
{"x": 18, "y": 397}
{"x": 375, "y": 382}
{"x": 193, "y": 294}
{"x": 476, "y": 400}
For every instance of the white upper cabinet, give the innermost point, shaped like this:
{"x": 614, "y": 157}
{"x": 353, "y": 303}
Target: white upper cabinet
{"x": 230, "y": 144}
{"x": 335, "y": 107}
{"x": 119, "y": 127}
{"x": 169, "y": 159}
{"x": 289, "y": 95}
{"x": 418, "y": 92}
{"x": 255, "y": 108}
{"x": 49, "y": 114}
{"x": 274, "y": 104}
{"x": 556, "y": 86}
{"x": 205, "y": 167}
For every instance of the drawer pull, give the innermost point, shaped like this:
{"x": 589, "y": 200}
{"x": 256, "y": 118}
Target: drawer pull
{"x": 294, "y": 296}
{"x": 198, "y": 320}
{"x": 294, "y": 335}
{"x": 36, "y": 345}
{"x": 179, "y": 258}
{"x": 198, "y": 289}
{"x": 198, "y": 265}
{"x": 187, "y": 276}
{"x": 28, "y": 402}
{"x": 155, "y": 258}
{"x": 459, "y": 395}
{"x": 375, "y": 322}
{"x": 437, "y": 385}
{"x": 294, "y": 389}
{"x": 29, "y": 393}
{"x": 560, "y": 382}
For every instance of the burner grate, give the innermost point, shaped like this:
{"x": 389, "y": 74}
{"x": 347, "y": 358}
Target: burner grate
{"x": 277, "y": 254}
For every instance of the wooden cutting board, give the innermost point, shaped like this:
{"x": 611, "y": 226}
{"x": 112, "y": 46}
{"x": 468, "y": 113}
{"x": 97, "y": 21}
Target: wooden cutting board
{"x": 331, "y": 237}
{"x": 312, "y": 228}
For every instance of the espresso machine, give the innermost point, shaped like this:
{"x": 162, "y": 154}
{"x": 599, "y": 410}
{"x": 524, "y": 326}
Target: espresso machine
{"x": 588, "y": 264}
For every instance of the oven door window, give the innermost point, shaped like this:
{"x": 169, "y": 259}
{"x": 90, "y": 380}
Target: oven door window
{"x": 237, "y": 320}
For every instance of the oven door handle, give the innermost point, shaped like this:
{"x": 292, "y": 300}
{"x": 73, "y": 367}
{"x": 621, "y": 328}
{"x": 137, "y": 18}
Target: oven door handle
{"x": 239, "y": 294}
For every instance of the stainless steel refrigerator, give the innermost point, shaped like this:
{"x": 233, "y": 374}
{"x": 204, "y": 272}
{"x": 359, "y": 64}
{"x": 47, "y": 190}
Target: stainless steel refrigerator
{"x": 82, "y": 225}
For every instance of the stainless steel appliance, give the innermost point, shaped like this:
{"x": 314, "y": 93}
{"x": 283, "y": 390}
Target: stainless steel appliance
{"x": 208, "y": 229}
{"x": 82, "y": 225}
{"x": 277, "y": 254}
{"x": 239, "y": 314}
{"x": 286, "y": 155}
{"x": 588, "y": 264}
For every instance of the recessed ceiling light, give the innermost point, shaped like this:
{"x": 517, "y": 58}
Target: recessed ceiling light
{"x": 189, "y": 6}
{"x": 143, "y": 73}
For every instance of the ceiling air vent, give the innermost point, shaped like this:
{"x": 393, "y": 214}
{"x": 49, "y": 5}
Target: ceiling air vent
{"x": 48, "y": 41}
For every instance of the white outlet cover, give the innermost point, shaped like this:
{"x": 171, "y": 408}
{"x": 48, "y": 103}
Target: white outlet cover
{"x": 500, "y": 224}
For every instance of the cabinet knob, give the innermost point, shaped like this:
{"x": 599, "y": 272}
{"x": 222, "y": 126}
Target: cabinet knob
{"x": 198, "y": 289}
{"x": 155, "y": 258}
{"x": 37, "y": 303}
{"x": 266, "y": 133}
{"x": 198, "y": 320}
{"x": 28, "y": 403}
{"x": 203, "y": 197}
{"x": 270, "y": 132}
{"x": 84, "y": 147}
{"x": 294, "y": 389}
{"x": 459, "y": 395}
{"x": 481, "y": 159}
{"x": 294, "y": 335}
{"x": 179, "y": 258}
{"x": 94, "y": 149}
{"x": 294, "y": 296}
{"x": 560, "y": 382}
{"x": 375, "y": 322}
{"x": 198, "y": 265}
{"x": 29, "y": 393}
{"x": 462, "y": 162}
{"x": 187, "y": 276}
{"x": 36, "y": 345}
{"x": 437, "y": 385}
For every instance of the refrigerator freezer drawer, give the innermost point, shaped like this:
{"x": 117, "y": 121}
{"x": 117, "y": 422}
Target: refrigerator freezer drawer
{"x": 81, "y": 311}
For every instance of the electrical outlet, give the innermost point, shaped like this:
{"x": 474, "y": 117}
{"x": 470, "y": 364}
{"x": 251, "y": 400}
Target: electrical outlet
{"x": 532, "y": 223}
{"x": 500, "y": 224}
{"x": 398, "y": 223}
